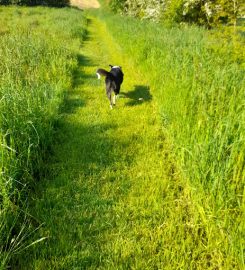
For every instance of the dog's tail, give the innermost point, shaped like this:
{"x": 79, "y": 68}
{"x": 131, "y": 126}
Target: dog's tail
{"x": 101, "y": 72}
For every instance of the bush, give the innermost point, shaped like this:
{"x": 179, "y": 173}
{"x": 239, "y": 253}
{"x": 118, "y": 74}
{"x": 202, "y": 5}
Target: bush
{"x": 53, "y": 3}
{"x": 117, "y": 5}
{"x": 207, "y": 13}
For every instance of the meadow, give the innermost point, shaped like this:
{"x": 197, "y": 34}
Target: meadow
{"x": 197, "y": 77}
{"x": 38, "y": 50}
{"x": 156, "y": 183}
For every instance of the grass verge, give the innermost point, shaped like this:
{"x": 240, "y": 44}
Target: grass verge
{"x": 198, "y": 80}
{"x": 38, "y": 49}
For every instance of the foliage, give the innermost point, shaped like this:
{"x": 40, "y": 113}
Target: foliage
{"x": 173, "y": 11}
{"x": 117, "y": 5}
{"x": 212, "y": 12}
{"x": 202, "y": 12}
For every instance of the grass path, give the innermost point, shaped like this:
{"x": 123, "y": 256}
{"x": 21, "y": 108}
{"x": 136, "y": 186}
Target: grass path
{"x": 101, "y": 203}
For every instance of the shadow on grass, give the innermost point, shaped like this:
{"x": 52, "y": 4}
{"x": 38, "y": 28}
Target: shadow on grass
{"x": 139, "y": 95}
{"x": 75, "y": 202}
{"x": 72, "y": 104}
{"x": 84, "y": 181}
{"x": 79, "y": 78}
{"x": 85, "y": 61}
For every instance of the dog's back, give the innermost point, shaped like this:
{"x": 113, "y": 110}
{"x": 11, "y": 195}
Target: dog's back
{"x": 113, "y": 80}
{"x": 117, "y": 73}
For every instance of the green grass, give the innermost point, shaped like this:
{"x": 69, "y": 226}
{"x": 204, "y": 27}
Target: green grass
{"x": 38, "y": 49}
{"x": 117, "y": 196}
{"x": 198, "y": 81}
{"x": 101, "y": 201}
{"x": 152, "y": 184}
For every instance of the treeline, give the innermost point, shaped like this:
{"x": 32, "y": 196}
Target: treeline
{"x": 201, "y": 12}
{"x": 53, "y": 3}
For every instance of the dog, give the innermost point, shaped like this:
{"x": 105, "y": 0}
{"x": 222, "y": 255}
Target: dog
{"x": 113, "y": 81}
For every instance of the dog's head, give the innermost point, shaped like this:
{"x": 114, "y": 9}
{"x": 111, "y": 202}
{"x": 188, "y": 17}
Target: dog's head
{"x": 112, "y": 67}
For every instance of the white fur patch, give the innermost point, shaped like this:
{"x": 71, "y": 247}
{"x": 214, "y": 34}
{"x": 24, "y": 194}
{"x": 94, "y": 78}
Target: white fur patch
{"x": 114, "y": 99}
{"x": 116, "y": 67}
{"x": 98, "y": 75}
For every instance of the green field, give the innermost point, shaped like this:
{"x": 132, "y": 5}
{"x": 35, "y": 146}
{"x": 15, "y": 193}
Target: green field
{"x": 155, "y": 183}
{"x": 38, "y": 49}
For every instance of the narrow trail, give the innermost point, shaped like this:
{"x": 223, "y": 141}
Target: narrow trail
{"x": 100, "y": 204}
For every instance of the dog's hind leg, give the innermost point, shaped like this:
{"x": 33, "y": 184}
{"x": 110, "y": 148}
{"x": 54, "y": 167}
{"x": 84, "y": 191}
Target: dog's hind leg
{"x": 114, "y": 99}
{"x": 108, "y": 93}
{"x": 116, "y": 94}
{"x": 110, "y": 99}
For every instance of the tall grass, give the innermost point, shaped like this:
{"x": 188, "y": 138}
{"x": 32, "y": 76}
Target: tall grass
{"x": 38, "y": 51}
{"x": 198, "y": 81}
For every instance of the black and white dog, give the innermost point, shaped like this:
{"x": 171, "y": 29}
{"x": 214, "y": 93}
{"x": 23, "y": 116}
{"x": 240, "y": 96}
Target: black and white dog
{"x": 113, "y": 81}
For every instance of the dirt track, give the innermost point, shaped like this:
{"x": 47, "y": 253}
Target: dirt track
{"x": 85, "y": 3}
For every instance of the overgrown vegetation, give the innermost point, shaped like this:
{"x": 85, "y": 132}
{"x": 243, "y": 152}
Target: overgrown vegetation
{"x": 157, "y": 183}
{"x": 198, "y": 80}
{"x": 202, "y": 12}
{"x": 38, "y": 50}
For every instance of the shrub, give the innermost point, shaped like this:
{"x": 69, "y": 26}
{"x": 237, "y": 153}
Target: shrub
{"x": 208, "y": 13}
{"x": 53, "y": 3}
{"x": 117, "y": 5}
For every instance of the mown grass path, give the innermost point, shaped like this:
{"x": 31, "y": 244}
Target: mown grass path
{"x": 101, "y": 203}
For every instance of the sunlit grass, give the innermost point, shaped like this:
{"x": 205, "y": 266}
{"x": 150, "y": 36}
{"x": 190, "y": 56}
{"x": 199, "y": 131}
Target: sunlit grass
{"x": 156, "y": 183}
{"x": 199, "y": 86}
{"x": 121, "y": 193}
{"x": 101, "y": 203}
{"x": 38, "y": 50}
